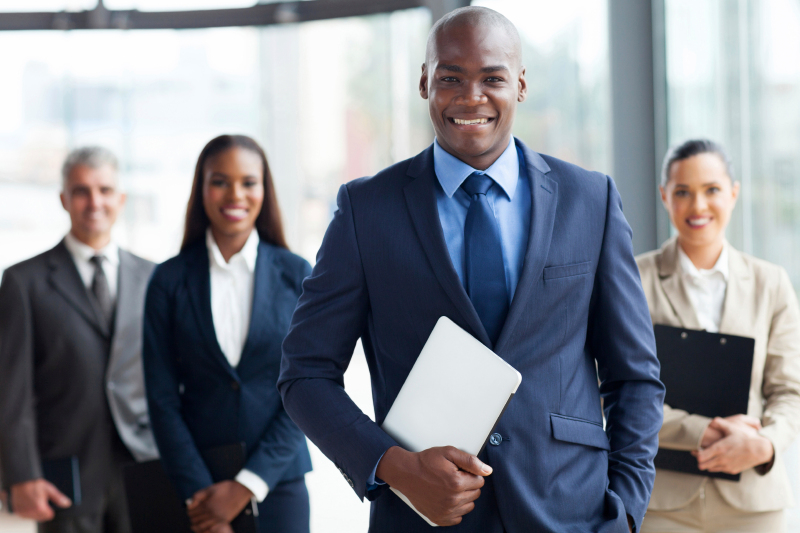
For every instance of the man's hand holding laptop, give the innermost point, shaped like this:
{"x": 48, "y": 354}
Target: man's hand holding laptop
{"x": 441, "y": 482}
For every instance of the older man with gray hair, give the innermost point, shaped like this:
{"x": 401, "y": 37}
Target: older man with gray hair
{"x": 72, "y": 404}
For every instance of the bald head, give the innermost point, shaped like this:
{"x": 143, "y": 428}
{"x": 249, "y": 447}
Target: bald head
{"x": 473, "y": 79}
{"x": 475, "y": 17}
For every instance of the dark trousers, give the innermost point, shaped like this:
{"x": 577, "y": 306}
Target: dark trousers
{"x": 113, "y": 519}
{"x": 286, "y": 508}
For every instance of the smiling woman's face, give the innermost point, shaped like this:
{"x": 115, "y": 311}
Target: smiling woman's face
{"x": 700, "y": 197}
{"x": 233, "y": 191}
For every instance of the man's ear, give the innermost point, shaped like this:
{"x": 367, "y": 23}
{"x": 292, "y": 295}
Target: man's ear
{"x": 523, "y": 86}
{"x": 63, "y": 200}
{"x": 423, "y": 82}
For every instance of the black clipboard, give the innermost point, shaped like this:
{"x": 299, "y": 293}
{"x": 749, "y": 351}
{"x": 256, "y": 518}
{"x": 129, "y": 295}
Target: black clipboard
{"x": 706, "y": 374}
{"x": 155, "y": 507}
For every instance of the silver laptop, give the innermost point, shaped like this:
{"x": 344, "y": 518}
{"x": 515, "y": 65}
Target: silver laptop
{"x": 453, "y": 396}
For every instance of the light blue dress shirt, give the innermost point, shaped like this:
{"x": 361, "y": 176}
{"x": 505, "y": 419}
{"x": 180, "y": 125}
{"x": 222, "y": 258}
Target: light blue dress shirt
{"x": 510, "y": 199}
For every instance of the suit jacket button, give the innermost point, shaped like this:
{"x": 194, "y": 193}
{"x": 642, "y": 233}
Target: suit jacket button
{"x": 495, "y": 439}
{"x": 235, "y": 385}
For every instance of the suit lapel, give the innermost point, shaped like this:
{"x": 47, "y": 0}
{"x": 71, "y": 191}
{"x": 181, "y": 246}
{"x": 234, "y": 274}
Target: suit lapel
{"x": 421, "y": 201}
{"x": 669, "y": 273}
{"x": 737, "y": 318}
{"x": 544, "y": 200}
{"x": 66, "y": 281}
{"x": 198, "y": 286}
{"x": 266, "y": 278}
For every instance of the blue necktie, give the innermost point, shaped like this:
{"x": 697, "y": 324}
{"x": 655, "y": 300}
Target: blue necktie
{"x": 484, "y": 273}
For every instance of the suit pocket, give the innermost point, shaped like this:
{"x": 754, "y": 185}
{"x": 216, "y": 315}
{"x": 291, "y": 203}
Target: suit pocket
{"x": 579, "y": 431}
{"x": 567, "y": 271}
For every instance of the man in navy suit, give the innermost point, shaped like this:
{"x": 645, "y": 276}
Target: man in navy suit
{"x": 529, "y": 254}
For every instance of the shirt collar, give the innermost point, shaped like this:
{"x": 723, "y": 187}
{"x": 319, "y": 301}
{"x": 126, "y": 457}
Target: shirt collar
{"x": 84, "y": 252}
{"x": 721, "y": 266}
{"x": 451, "y": 171}
{"x": 248, "y": 254}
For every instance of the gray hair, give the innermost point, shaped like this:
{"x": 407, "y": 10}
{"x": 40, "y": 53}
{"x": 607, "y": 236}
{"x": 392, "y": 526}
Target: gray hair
{"x": 88, "y": 156}
{"x": 692, "y": 148}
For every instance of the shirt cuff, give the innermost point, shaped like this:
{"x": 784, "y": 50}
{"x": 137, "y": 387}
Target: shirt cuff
{"x": 372, "y": 481}
{"x": 253, "y": 483}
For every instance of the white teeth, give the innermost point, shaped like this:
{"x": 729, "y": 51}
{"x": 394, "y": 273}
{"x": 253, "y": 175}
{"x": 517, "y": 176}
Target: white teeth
{"x": 699, "y": 221}
{"x": 237, "y": 213}
{"x": 473, "y": 121}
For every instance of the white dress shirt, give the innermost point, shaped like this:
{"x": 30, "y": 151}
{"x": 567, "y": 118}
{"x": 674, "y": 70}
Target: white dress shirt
{"x": 706, "y": 288}
{"x": 82, "y": 256}
{"x": 232, "y": 285}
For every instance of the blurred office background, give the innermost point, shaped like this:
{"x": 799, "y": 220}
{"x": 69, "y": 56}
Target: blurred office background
{"x": 612, "y": 83}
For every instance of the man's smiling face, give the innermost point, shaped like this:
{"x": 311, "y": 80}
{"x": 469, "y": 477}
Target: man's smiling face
{"x": 473, "y": 80}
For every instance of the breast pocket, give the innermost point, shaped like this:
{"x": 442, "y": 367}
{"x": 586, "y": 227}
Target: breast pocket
{"x": 567, "y": 271}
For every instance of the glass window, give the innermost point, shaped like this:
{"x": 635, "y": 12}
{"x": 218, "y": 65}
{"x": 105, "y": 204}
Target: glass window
{"x": 46, "y": 5}
{"x": 177, "y": 5}
{"x": 141, "y": 5}
{"x": 565, "y": 53}
{"x": 733, "y": 77}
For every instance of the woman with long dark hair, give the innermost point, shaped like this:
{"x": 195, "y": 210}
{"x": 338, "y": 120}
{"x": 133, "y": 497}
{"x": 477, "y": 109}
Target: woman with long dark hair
{"x": 215, "y": 318}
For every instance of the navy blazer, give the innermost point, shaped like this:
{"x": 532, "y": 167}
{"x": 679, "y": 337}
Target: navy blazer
{"x": 384, "y": 275}
{"x": 197, "y": 400}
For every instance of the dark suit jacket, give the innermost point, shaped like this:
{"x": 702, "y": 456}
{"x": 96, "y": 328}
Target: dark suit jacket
{"x": 197, "y": 400}
{"x": 383, "y": 274}
{"x": 65, "y": 380}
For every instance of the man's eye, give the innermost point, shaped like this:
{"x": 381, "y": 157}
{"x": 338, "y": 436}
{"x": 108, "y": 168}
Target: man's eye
{"x": 681, "y": 193}
{"x": 713, "y": 190}
{"x": 449, "y": 79}
{"x": 494, "y": 79}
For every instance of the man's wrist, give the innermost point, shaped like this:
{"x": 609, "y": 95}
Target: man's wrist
{"x": 392, "y": 465}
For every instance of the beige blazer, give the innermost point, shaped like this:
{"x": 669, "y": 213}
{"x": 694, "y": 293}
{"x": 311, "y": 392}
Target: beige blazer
{"x": 759, "y": 303}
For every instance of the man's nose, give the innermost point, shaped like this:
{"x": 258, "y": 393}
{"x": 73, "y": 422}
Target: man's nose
{"x": 472, "y": 96}
{"x": 95, "y": 199}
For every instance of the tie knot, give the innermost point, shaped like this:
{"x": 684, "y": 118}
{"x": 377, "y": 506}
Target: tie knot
{"x": 477, "y": 183}
{"x": 97, "y": 261}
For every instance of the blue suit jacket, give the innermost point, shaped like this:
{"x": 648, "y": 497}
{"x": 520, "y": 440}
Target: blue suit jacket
{"x": 196, "y": 399}
{"x": 383, "y": 274}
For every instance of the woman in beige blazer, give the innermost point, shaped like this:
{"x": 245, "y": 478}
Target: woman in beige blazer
{"x": 699, "y": 281}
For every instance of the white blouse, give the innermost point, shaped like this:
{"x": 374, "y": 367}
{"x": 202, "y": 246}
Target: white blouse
{"x": 706, "y": 288}
{"x": 232, "y": 285}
